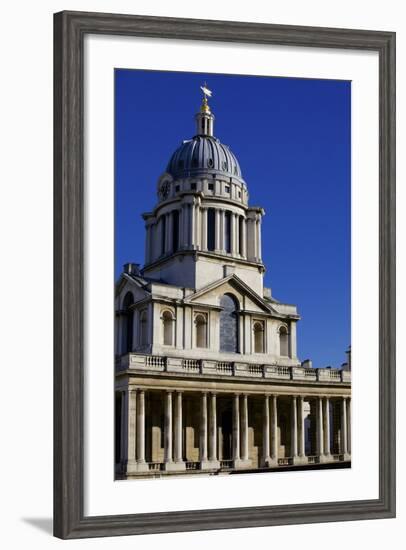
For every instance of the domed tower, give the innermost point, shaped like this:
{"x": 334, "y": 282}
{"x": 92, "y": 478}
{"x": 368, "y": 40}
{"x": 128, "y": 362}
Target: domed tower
{"x": 202, "y": 228}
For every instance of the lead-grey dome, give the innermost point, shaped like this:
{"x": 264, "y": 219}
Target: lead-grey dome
{"x": 203, "y": 154}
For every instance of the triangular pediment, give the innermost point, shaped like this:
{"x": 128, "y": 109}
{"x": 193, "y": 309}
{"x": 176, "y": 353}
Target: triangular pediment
{"x": 128, "y": 283}
{"x": 248, "y": 299}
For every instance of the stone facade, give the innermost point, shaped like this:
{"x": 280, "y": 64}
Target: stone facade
{"x": 207, "y": 373}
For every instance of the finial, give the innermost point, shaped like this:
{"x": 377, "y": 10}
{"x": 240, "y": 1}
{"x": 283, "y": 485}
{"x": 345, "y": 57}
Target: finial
{"x": 206, "y": 93}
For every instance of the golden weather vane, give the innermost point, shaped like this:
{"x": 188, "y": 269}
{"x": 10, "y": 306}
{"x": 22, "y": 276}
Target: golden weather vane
{"x": 206, "y": 93}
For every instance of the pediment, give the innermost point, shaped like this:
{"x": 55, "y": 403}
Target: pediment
{"x": 247, "y": 298}
{"x": 129, "y": 284}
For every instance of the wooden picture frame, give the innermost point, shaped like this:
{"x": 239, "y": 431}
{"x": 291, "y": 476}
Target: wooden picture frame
{"x": 70, "y": 29}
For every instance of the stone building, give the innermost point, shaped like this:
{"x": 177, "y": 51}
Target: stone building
{"x": 207, "y": 374}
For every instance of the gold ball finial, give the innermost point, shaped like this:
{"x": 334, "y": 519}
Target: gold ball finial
{"x": 205, "y": 106}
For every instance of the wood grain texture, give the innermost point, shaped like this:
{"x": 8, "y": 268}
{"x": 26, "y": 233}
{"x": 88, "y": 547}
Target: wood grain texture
{"x": 69, "y": 30}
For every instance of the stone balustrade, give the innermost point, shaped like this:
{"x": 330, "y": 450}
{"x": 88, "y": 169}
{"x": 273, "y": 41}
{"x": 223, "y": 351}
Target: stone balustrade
{"x": 206, "y": 367}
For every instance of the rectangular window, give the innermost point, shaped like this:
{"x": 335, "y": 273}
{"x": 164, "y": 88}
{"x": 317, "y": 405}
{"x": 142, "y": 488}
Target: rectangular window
{"x": 227, "y": 189}
{"x": 163, "y": 234}
{"x": 175, "y": 231}
{"x": 193, "y": 186}
{"x": 227, "y": 232}
{"x": 211, "y": 228}
{"x": 211, "y": 186}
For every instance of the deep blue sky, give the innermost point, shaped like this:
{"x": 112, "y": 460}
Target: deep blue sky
{"x": 292, "y": 139}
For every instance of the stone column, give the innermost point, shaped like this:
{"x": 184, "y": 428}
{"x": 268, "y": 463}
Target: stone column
{"x": 185, "y": 225}
{"x": 247, "y": 332}
{"x": 220, "y": 442}
{"x": 131, "y": 431}
{"x": 203, "y": 431}
{"x": 326, "y": 426}
{"x": 253, "y": 231}
{"x": 168, "y": 430}
{"x": 344, "y": 447}
{"x": 222, "y": 246}
{"x": 180, "y": 465}
{"x": 204, "y": 228}
{"x": 292, "y": 340}
{"x": 274, "y": 429}
{"x": 123, "y": 427}
{"x": 213, "y": 432}
{"x": 244, "y": 428}
{"x": 237, "y": 234}
{"x": 192, "y": 228}
{"x": 251, "y": 239}
{"x": 217, "y": 230}
{"x": 236, "y": 428}
{"x": 349, "y": 426}
{"x": 198, "y": 226}
{"x": 244, "y": 237}
{"x": 141, "y": 464}
{"x": 233, "y": 235}
{"x": 302, "y": 453}
{"x": 266, "y": 433}
{"x": 259, "y": 240}
{"x": 320, "y": 439}
{"x": 293, "y": 435}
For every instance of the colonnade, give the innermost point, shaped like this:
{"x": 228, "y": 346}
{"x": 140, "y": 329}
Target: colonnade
{"x": 238, "y": 235}
{"x": 133, "y": 423}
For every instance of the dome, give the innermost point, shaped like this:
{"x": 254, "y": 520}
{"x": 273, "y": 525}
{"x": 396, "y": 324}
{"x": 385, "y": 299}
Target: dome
{"x": 203, "y": 154}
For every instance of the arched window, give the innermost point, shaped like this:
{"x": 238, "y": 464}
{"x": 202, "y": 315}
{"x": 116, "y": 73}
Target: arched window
{"x": 143, "y": 328}
{"x": 168, "y": 325}
{"x": 128, "y": 323}
{"x": 283, "y": 341}
{"x": 228, "y": 324}
{"x": 201, "y": 331}
{"x": 258, "y": 337}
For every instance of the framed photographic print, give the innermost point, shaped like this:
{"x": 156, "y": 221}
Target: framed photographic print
{"x": 224, "y": 275}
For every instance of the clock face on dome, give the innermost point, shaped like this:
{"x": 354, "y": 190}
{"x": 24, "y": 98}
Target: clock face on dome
{"x": 164, "y": 189}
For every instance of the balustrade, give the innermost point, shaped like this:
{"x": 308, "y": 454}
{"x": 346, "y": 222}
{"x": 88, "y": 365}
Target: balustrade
{"x": 205, "y": 366}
